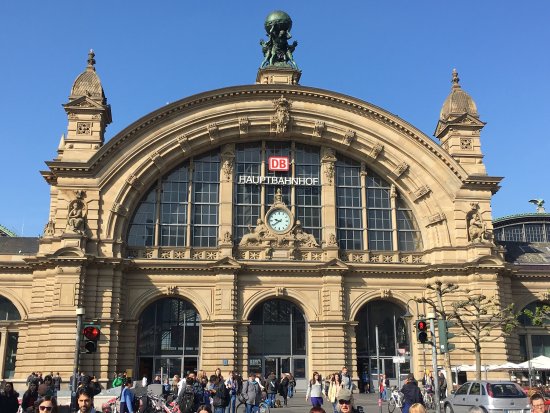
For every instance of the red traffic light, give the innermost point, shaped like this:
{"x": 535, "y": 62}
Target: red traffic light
{"x": 91, "y": 332}
{"x": 421, "y": 325}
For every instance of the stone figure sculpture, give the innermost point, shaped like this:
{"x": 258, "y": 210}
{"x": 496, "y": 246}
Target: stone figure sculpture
{"x": 277, "y": 51}
{"x": 76, "y": 218}
{"x": 476, "y": 228}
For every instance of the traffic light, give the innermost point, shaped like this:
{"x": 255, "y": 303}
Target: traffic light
{"x": 91, "y": 334}
{"x": 444, "y": 335}
{"x": 421, "y": 331}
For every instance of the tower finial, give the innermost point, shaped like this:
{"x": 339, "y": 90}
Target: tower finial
{"x": 456, "y": 79}
{"x": 91, "y": 60}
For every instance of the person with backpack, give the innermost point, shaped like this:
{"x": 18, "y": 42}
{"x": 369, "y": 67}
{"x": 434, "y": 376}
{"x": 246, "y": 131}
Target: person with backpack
{"x": 127, "y": 398}
{"x": 220, "y": 394}
{"x": 271, "y": 389}
{"x": 251, "y": 393}
{"x": 186, "y": 397}
{"x": 291, "y": 385}
{"x": 411, "y": 393}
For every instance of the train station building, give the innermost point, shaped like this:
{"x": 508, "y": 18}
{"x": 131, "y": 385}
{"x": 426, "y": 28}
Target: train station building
{"x": 265, "y": 227}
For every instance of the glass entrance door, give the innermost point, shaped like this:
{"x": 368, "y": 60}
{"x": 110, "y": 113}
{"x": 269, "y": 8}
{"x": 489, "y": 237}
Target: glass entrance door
{"x": 278, "y": 365}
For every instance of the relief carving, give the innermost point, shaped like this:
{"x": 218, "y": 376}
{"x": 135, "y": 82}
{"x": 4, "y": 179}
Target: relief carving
{"x": 49, "y": 229}
{"x": 282, "y": 115}
{"x": 83, "y": 128}
{"x": 319, "y": 128}
{"x": 119, "y": 209}
{"x": 227, "y": 239}
{"x": 437, "y": 217}
{"x": 332, "y": 241}
{"x": 376, "y": 150}
{"x": 477, "y": 229}
{"x": 349, "y": 137}
{"x": 466, "y": 144}
{"x": 134, "y": 182}
{"x": 156, "y": 158}
{"x": 76, "y": 216}
{"x": 213, "y": 131}
{"x": 420, "y": 192}
{"x": 228, "y": 156}
{"x": 183, "y": 142}
{"x": 401, "y": 168}
{"x": 244, "y": 124}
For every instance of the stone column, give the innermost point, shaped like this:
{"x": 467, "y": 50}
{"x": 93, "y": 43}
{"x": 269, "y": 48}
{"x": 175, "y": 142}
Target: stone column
{"x": 3, "y": 341}
{"x": 328, "y": 201}
{"x": 327, "y": 347}
{"x": 226, "y": 200}
{"x": 242, "y": 348}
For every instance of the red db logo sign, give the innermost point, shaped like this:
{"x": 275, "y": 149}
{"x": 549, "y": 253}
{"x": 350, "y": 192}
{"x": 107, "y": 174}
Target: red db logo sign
{"x": 278, "y": 163}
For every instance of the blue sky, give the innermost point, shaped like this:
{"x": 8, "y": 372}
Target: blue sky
{"x": 395, "y": 54}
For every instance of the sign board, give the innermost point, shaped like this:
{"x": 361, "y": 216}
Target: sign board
{"x": 398, "y": 359}
{"x": 278, "y": 163}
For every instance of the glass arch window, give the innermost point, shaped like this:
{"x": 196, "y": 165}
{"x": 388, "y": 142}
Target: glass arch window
{"x": 251, "y": 201}
{"x": 8, "y": 311}
{"x": 524, "y": 232}
{"x": 364, "y": 197}
{"x": 187, "y": 197}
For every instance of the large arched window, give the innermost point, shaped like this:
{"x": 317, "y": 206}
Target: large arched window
{"x": 10, "y": 337}
{"x": 388, "y": 224}
{"x": 534, "y": 339}
{"x": 169, "y": 209}
{"x": 168, "y": 338}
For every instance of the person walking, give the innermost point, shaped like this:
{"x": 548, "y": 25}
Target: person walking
{"x": 29, "y": 397}
{"x": 271, "y": 389}
{"x": 315, "y": 390}
{"x": 334, "y": 391}
{"x": 442, "y": 382}
{"x": 220, "y": 394}
{"x": 283, "y": 388}
{"x": 411, "y": 393}
{"x": 57, "y": 382}
{"x": 127, "y": 398}
{"x": 291, "y": 385}
{"x": 251, "y": 393}
{"x": 232, "y": 385}
{"x": 346, "y": 379}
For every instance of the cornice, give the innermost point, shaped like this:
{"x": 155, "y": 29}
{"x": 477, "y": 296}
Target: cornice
{"x": 347, "y": 103}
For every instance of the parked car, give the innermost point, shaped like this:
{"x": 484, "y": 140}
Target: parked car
{"x": 493, "y": 397}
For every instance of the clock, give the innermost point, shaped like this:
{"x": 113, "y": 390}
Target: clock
{"x": 279, "y": 220}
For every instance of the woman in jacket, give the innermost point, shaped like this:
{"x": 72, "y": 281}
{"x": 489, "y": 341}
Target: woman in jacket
{"x": 8, "y": 399}
{"x": 315, "y": 390}
{"x": 29, "y": 397}
{"x": 283, "y": 388}
{"x": 333, "y": 391}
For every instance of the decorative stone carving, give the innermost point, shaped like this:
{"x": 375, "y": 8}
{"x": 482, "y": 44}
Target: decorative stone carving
{"x": 385, "y": 293}
{"x": 349, "y": 137}
{"x": 183, "y": 142}
{"x": 244, "y": 124}
{"x": 393, "y": 191}
{"x": 332, "y": 241}
{"x": 280, "y": 291}
{"x": 256, "y": 235}
{"x": 437, "y": 217}
{"x": 466, "y": 144}
{"x": 477, "y": 229}
{"x": 328, "y": 161}
{"x": 119, "y": 209}
{"x": 172, "y": 290}
{"x": 83, "y": 128}
{"x": 49, "y": 229}
{"x": 420, "y": 192}
{"x": 376, "y": 150}
{"x": 213, "y": 131}
{"x": 305, "y": 239}
{"x": 76, "y": 215}
{"x": 282, "y": 115}
{"x": 227, "y": 239}
{"x": 134, "y": 181}
{"x": 544, "y": 295}
{"x": 156, "y": 158}
{"x": 228, "y": 156}
{"x": 319, "y": 128}
{"x": 400, "y": 169}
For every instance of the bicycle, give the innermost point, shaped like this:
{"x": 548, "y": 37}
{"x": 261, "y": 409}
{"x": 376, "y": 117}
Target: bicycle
{"x": 428, "y": 397}
{"x": 396, "y": 399}
{"x": 263, "y": 407}
{"x": 110, "y": 406}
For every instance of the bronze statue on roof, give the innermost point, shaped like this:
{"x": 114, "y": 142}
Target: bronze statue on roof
{"x": 277, "y": 51}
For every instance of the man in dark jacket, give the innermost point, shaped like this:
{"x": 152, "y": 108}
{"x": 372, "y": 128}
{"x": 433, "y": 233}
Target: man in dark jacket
{"x": 220, "y": 394}
{"x": 271, "y": 389}
{"x": 411, "y": 393}
{"x": 251, "y": 393}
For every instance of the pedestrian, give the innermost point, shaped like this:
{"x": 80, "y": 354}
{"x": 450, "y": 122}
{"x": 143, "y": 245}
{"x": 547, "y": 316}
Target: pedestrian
{"x": 334, "y": 391}
{"x": 381, "y": 394}
{"x": 8, "y": 399}
{"x": 251, "y": 393}
{"x": 291, "y": 385}
{"x": 232, "y": 385}
{"x": 345, "y": 401}
{"x": 271, "y": 389}
{"x": 442, "y": 382}
{"x": 127, "y": 398}
{"x": 537, "y": 403}
{"x": 204, "y": 409}
{"x": 187, "y": 399}
{"x": 346, "y": 379}
{"x": 283, "y": 388}
{"x": 30, "y": 397}
{"x": 417, "y": 408}
{"x": 144, "y": 381}
{"x": 157, "y": 379}
{"x": 57, "y": 382}
{"x": 47, "y": 405}
{"x": 46, "y": 388}
{"x": 220, "y": 394}
{"x": 315, "y": 390}
{"x": 411, "y": 393}
{"x": 85, "y": 401}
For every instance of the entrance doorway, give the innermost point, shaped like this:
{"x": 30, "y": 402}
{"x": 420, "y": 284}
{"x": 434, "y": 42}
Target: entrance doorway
{"x": 277, "y": 340}
{"x": 168, "y": 339}
{"x": 393, "y": 340}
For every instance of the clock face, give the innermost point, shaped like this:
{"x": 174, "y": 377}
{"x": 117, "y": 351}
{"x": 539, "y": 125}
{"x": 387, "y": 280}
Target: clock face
{"x": 279, "y": 220}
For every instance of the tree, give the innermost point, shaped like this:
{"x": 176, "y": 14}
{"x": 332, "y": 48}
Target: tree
{"x": 440, "y": 290}
{"x": 483, "y": 319}
{"x": 540, "y": 316}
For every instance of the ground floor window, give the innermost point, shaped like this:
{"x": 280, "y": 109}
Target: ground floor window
{"x": 168, "y": 339}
